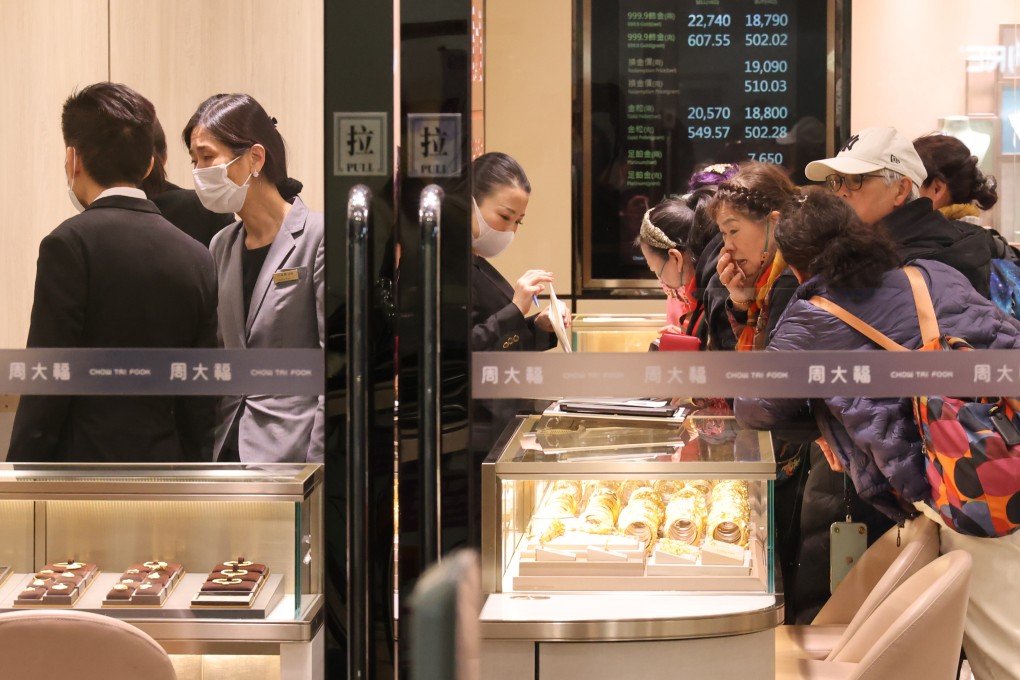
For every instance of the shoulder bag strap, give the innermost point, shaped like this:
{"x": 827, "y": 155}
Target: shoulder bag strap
{"x": 926, "y": 318}
{"x": 858, "y": 325}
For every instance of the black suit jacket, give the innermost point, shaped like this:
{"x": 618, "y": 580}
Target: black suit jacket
{"x": 119, "y": 275}
{"x": 496, "y": 322}
{"x": 183, "y": 209}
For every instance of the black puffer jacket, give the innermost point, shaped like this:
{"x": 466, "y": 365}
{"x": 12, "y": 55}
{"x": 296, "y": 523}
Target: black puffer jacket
{"x": 923, "y": 233}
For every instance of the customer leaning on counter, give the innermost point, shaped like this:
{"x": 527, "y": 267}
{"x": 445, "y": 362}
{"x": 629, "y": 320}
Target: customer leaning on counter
{"x": 270, "y": 267}
{"x": 116, "y": 275}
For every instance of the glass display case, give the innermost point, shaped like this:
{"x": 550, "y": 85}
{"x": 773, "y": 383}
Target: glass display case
{"x": 615, "y": 332}
{"x": 206, "y": 558}
{"x": 575, "y": 502}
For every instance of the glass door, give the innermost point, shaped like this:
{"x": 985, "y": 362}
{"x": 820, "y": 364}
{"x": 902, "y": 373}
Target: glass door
{"x": 398, "y": 111}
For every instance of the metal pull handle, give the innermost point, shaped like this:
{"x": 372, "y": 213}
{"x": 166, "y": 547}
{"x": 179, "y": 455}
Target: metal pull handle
{"x": 358, "y": 400}
{"x": 429, "y": 221}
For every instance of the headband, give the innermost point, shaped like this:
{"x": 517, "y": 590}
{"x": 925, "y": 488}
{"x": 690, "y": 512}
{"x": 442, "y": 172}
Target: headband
{"x": 654, "y": 236}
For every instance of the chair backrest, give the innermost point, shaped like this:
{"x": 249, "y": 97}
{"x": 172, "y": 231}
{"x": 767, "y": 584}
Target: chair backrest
{"x": 79, "y": 645}
{"x": 917, "y": 631}
{"x": 871, "y": 580}
{"x": 444, "y": 630}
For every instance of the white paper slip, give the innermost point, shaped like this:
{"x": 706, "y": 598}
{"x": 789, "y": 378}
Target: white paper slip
{"x": 557, "y": 321}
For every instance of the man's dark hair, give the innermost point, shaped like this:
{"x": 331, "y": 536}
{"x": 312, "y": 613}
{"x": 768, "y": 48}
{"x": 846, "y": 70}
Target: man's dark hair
{"x": 110, "y": 127}
{"x": 156, "y": 182}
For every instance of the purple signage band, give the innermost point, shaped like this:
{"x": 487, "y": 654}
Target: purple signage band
{"x": 552, "y": 375}
{"x": 162, "y": 371}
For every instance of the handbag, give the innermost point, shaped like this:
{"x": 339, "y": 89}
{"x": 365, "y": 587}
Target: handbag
{"x": 972, "y": 446}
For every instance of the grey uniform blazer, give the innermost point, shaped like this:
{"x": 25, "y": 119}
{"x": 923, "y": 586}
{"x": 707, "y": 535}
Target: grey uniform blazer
{"x": 282, "y": 315}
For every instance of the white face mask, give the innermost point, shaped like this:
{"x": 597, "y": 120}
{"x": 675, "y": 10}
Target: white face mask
{"x": 70, "y": 184}
{"x": 489, "y": 242}
{"x": 217, "y": 192}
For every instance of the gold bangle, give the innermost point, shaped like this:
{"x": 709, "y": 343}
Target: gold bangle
{"x": 742, "y": 304}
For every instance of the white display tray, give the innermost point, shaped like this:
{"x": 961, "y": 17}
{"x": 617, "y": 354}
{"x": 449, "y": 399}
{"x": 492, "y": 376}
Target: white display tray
{"x": 531, "y": 574}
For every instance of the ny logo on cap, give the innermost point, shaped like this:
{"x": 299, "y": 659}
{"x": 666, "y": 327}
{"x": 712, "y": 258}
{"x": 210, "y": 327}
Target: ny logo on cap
{"x": 849, "y": 145}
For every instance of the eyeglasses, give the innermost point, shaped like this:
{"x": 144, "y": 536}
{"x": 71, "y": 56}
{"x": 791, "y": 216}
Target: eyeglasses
{"x": 852, "y": 182}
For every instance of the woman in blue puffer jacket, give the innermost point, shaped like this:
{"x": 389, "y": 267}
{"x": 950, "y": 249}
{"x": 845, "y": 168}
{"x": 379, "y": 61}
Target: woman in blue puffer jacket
{"x": 837, "y": 257}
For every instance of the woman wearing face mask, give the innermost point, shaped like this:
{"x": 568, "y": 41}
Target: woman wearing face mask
{"x": 270, "y": 267}
{"x": 500, "y": 193}
{"x": 672, "y": 237}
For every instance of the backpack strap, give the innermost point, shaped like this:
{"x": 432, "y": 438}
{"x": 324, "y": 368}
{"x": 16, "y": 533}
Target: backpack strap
{"x": 926, "y": 318}
{"x": 868, "y": 331}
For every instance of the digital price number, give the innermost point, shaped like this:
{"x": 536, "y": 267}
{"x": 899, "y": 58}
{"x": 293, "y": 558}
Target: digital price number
{"x": 752, "y": 51}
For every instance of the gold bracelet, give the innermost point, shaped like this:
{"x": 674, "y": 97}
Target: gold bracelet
{"x": 744, "y": 304}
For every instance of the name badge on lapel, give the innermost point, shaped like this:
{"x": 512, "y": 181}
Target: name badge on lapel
{"x": 285, "y": 276}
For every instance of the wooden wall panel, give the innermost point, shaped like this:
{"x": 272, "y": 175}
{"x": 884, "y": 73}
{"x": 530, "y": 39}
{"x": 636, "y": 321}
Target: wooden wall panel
{"x": 178, "y": 52}
{"x": 527, "y": 115}
{"x": 47, "y": 48}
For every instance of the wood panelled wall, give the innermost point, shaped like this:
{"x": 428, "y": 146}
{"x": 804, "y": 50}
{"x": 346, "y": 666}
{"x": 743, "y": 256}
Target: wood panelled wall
{"x": 176, "y": 53}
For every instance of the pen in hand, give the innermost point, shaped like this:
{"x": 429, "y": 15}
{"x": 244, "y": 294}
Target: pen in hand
{"x": 534, "y": 298}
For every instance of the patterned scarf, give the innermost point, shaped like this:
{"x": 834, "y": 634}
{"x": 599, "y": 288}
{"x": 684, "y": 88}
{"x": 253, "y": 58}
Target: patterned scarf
{"x": 753, "y": 335}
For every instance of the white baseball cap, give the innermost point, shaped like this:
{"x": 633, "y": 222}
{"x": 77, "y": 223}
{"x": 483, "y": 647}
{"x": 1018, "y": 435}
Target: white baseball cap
{"x": 869, "y": 150}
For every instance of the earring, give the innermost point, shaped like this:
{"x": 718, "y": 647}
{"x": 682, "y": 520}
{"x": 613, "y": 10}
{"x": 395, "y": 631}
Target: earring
{"x": 255, "y": 173}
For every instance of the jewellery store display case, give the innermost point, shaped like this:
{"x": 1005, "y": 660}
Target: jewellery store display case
{"x": 654, "y": 532}
{"x": 615, "y": 332}
{"x": 209, "y": 559}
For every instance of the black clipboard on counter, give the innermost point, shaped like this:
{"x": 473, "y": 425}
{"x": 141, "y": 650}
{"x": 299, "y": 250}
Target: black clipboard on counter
{"x": 656, "y": 408}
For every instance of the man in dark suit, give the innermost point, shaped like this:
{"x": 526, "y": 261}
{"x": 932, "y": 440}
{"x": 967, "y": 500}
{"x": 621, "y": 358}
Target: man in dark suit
{"x": 117, "y": 275}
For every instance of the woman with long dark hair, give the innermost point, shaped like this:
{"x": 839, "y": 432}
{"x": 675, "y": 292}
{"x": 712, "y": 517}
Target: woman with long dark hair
{"x": 270, "y": 267}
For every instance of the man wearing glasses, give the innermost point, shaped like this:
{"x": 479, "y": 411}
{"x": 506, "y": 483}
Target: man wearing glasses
{"x": 879, "y": 173}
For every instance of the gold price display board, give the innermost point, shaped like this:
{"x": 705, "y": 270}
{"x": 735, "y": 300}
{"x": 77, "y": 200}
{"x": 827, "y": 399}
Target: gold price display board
{"x": 670, "y": 87}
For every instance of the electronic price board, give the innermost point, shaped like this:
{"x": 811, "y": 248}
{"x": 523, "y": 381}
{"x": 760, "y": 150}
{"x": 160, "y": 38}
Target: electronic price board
{"x": 671, "y": 86}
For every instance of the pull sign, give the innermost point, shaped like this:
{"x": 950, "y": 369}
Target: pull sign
{"x": 360, "y": 143}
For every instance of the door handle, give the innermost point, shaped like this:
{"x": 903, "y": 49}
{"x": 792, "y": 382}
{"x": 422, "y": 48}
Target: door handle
{"x": 429, "y": 223}
{"x": 358, "y": 399}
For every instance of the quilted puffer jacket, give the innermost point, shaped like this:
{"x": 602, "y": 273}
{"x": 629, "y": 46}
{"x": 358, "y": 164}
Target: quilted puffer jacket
{"x": 876, "y": 438}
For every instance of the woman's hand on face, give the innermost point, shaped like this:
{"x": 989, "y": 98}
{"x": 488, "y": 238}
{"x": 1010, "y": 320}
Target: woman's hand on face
{"x": 829, "y": 454}
{"x": 544, "y": 320}
{"x": 730, "y": 275}
{"x": 531, "y": 283}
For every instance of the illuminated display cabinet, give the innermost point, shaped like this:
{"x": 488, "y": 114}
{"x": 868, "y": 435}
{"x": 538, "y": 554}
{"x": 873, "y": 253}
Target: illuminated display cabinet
{"x": 262, "y": 523}
{"x": 655, "y": 532}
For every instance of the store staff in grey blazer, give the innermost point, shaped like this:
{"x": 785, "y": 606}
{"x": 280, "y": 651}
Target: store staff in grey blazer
{"x": 270, "y": 268}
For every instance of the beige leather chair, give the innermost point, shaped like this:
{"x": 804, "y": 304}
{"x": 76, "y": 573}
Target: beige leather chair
{"x": 915, "y": 633}
{"x": 881, "y": 569}
{"x": 69, "y": 644}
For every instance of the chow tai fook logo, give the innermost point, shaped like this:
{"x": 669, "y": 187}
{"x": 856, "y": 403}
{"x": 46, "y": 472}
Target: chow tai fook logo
{"x": 434, "y": 144}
